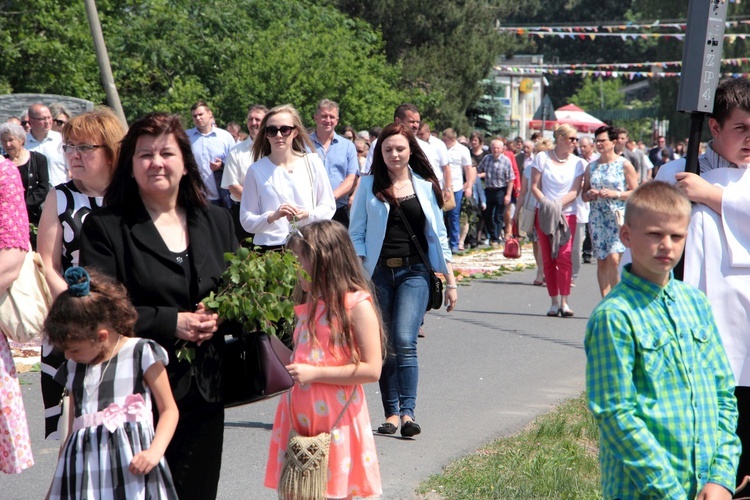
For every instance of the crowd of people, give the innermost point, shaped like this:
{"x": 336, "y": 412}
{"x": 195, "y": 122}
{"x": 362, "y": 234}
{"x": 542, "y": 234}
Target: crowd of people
{"x": 133, "y": 225}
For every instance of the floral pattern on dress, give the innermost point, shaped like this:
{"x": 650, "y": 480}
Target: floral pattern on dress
{"x": 605, "y": 233}
{"x": 14, "y": 221}
{"x": 353, "y": 461}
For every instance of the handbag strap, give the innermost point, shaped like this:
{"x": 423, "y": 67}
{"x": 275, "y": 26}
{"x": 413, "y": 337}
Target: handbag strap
{"x": 338, "y": 419}
{"x": 414, "y": 238}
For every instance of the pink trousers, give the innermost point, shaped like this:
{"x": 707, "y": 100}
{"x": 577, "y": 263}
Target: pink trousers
{"x": 557, "y": 272}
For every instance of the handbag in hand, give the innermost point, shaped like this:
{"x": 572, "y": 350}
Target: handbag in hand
{"x": 254, "y": 368}
{"x": 512, "y": 249}
{"x": 450, "y": 203}
{"x": 436, "y": 285}
{"x": 26, "y": 302}
{"x": 304, "y": 473}
{"x": 526, "y": 216}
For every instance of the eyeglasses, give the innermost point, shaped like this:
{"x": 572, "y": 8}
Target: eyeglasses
{"x": 42, "y": 119}
{"x": 285, "y": 130}
{"x": 59, "y": 123}
{"x": 83, "y": 149}
{"x": 573, "y": 139}
{"x": 601, "y": 141}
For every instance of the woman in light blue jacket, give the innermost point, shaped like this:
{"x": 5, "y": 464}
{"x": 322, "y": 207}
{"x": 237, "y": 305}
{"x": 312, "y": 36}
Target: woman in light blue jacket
{"x": 402, "y": 185}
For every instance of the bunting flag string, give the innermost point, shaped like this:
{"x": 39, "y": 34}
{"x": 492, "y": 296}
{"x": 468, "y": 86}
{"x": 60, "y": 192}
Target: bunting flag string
{"x": 735, "y": 61}
{"x": 731, "y": 37}
{"x": 614, "y": 27}
{"x": 630, "y": 75}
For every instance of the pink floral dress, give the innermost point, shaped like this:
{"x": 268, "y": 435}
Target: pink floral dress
{"x": 353, "y": 468}
{"x": 15, "y": 445}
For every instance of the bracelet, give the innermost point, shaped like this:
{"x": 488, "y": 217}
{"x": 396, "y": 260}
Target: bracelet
{"x": 451, "y": 287}
{"x": 618, "y": 195}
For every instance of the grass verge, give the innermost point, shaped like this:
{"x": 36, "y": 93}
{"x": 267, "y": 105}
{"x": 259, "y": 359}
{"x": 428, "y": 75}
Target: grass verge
{"x": 555, "y": 457}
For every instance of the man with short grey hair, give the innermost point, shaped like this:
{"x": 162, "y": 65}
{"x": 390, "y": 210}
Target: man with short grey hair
{"x": 42, "y": 139}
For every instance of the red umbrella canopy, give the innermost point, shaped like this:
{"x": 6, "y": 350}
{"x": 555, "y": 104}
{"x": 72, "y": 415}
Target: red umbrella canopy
{"x": 572, "y": 115}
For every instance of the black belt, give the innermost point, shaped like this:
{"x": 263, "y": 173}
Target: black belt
{"x": 399, "y": 261}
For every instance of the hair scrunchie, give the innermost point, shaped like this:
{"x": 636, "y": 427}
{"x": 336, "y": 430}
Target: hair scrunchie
{"x": 78, "y": 281}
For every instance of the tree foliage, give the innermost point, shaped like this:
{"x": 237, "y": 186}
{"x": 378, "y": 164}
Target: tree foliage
{"x": 166, "y": 54}
{"x": 446, "y": 48}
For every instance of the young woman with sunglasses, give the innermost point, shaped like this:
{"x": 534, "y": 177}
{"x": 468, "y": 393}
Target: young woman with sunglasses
{"x": 556, "y": 180}
{"x": 286, "y": 184}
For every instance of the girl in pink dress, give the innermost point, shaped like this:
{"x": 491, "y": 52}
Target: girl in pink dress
{"x": 339, "y": 345}
{"x": 15, "y": 446}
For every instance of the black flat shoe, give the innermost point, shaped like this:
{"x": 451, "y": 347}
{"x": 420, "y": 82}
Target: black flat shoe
{"x": 410, "y": 428}
{"x": 387, "y": 428}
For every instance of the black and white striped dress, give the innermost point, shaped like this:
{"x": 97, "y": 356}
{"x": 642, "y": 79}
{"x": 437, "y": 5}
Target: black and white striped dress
{"x": 95, "y": 460}
{"x": 72, "y": 208}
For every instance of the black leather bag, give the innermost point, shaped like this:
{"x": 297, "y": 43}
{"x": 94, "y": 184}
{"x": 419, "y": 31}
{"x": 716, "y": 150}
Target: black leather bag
{"x": 436, "y": 286}
{"x": 254, "y": 368}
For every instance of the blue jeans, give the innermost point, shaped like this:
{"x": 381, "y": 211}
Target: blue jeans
{"x": 453, "y": 221}
{"x": 402, "y": 296}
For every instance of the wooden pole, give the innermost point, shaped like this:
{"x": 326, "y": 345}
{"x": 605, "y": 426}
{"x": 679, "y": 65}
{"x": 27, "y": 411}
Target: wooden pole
{"x": 108, "y": 81}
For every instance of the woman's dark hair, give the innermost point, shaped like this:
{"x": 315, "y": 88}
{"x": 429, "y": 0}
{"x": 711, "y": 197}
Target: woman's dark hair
{"x": 74, "y": 318}
{"x": 192, "y": 192}
{"x": 611, "y": 132}
{"x": 417, "y": 161}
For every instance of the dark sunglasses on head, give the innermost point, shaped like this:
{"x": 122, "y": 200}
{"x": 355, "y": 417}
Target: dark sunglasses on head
{"x": 284, "y": 129}
{"x": 59, "y": 123}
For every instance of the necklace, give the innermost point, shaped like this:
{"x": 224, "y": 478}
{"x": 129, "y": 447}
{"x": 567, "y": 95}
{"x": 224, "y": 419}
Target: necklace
{"x": 93, "y": 389}
{"x": 557, "y": 158}
{"x": 402, "y": 187}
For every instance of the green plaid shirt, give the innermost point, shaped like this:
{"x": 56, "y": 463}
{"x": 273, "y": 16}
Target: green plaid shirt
{"x": 662, "y": 391}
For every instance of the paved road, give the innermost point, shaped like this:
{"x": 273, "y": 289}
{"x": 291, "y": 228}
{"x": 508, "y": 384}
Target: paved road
{"x": 486, "y": 370}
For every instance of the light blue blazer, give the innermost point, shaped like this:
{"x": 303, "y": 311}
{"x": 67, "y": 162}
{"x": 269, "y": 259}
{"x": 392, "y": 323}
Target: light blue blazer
{"x": 369, "y": 216}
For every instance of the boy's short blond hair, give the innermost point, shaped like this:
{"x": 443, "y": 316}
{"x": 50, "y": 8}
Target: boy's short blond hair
{"x": 656, "y": 197}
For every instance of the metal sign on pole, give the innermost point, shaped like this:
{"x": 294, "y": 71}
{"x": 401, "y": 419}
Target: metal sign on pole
{"x": 701, "y": 68}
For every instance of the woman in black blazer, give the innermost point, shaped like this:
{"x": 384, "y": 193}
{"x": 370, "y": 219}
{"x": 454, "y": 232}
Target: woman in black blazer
{"x": 159, "y": 236}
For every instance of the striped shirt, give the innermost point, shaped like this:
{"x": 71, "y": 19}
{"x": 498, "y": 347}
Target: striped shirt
{"x": 662, "y": 391}
{"x": 498, "y": 172}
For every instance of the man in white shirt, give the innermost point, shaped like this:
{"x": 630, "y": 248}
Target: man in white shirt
{"x": 42, "y": 139}
{"x": 425, "y": 134}
{"x": 238, "y": 160}
{"x": 463, "y": 175}
{"x": 210, "y": 146}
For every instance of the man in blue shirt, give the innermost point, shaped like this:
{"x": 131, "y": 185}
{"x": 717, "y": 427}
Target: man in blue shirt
{"x": 339, "y": 155}
{"x": 210, "y": 146}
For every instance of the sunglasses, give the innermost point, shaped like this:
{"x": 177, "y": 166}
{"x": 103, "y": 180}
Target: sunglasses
{"x": 24, "y": 123}
{"x": 59, "y": 123}
{"x": 83, "y": 149}
{"x": 284, "y": 129}
{"x": 573, "y": 139}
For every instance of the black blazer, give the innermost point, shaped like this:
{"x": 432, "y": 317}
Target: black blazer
{"x": 123, "y": 242}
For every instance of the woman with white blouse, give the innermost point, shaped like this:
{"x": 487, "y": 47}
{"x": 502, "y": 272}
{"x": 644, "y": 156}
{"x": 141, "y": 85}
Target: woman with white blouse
{"x": 286, "y": 185}
{"x": 555, "y": 183}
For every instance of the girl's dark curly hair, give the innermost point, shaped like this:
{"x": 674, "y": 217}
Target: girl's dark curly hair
{"x": 73, "y": 318}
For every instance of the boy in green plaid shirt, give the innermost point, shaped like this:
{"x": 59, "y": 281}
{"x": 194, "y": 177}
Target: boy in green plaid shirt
{"x": 659, "y": 383}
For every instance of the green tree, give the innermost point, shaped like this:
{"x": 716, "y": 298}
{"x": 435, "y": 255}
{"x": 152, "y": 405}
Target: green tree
{"x": 598, "y": 94}
{"x": 445, "y": 48}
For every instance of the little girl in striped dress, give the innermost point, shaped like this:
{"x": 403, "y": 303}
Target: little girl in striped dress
{"x": 112, "y": 451}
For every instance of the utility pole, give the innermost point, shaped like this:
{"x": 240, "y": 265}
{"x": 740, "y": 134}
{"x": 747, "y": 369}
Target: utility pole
{"x": 108, "y": 81}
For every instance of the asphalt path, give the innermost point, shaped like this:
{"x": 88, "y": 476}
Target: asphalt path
{"x": 486, "y": 371}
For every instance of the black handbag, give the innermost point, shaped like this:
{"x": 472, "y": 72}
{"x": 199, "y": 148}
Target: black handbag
{"x": 254, "y": 368}
{"x": 436, "y": 285}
